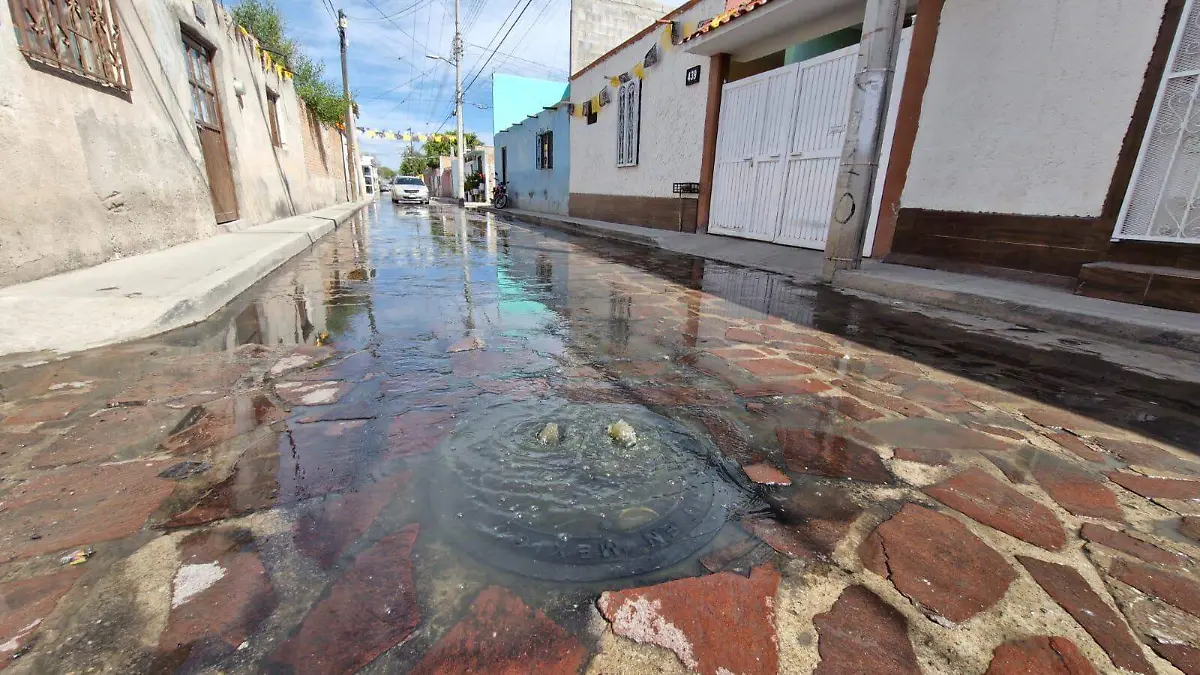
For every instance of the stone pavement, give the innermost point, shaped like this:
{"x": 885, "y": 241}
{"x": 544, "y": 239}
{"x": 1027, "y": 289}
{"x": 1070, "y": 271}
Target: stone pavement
{"x": 147, "y": 294}
{"x": 1020, "y": 303}
{"x": 262, "y": 508}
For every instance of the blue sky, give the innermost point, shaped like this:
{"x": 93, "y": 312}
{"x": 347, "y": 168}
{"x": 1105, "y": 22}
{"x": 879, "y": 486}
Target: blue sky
{"x": 397, "y": 87}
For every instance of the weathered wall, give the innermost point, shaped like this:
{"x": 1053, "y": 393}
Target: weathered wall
{"x": 103, "y": 174}
{"x": 1027, "y": 104}
{"x": 531, "y": 188}
{"x": 599, "y": 25}
{"x": 672, "y": 122}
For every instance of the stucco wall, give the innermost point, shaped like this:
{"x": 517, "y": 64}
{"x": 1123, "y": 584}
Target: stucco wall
{"x": 599, "y": 25}
{"x": 103, "y": 175}
{"x": 530, "y": 188}
{"x": 672, "y": 120}
{"x": 1028, "y": 103}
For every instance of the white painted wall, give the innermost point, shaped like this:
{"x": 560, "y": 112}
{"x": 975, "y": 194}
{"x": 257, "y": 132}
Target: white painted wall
{"x": 99, "y": 175}
{"x": 672, "y": 124}
{"x": 1028, "y": 103}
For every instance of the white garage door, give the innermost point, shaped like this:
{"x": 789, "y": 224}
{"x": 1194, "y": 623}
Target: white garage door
{"x": 779, "y": 144}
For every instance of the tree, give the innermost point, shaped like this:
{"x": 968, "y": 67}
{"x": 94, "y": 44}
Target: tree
{"x": 447, "y": 145}
{"x": 264, "y": 21}
{"x": 386, "y": 173}
{"x": 413, "y": 164}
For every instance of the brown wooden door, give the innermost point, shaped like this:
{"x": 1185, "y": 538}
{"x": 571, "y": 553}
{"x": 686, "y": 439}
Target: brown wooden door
{"x": 206, "y": 110}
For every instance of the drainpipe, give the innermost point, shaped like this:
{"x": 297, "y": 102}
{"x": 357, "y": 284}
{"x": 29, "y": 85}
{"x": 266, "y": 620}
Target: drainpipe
{"x": 877, "y": 52}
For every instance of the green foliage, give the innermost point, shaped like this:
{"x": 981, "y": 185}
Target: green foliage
{"x": 414, "y": 163}
{"x": 447, "y": 145}
{"x": 386, "y": 173}
{"x": 265, "y": 22}
{"x": 472, "y": 181}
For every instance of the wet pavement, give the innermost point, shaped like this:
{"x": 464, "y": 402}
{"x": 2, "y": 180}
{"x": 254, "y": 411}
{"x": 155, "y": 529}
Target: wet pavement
{"x": 443, "y": 444}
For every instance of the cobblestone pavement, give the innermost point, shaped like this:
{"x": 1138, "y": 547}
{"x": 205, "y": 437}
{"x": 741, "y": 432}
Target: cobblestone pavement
{"x": 351, "y": 468}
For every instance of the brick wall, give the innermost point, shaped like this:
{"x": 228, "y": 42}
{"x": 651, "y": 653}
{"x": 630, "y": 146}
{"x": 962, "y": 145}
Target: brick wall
{"x": 323, "y": 154}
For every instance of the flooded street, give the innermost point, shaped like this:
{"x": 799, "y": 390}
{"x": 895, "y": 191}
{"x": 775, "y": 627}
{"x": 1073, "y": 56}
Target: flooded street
{"x": 443, "y": 443}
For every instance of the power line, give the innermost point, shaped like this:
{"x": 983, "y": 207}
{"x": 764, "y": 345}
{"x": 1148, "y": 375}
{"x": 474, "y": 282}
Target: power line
{"x": 489, "y": 59}
{"x": 535, "y": 21}
{"x": 493, "y": 54}
{"x": 387, "y": 17}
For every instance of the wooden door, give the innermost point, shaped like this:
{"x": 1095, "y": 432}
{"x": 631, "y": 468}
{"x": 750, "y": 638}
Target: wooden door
{"x": 206, "y": 110}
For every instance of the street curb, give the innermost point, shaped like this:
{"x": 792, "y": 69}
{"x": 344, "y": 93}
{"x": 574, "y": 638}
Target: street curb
{"x": 569, "y": 227}
{"x": 209, "y": 294}
{"x": 93, "y": 306}
{"x": 1128, "y": 329}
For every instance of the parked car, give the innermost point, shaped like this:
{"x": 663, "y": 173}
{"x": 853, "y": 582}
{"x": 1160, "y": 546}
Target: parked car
{"x": 385, "y": 187}
{"x": 409, "y": 189}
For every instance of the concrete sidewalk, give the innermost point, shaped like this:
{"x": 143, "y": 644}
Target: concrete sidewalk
{"x": 144, "y": 295}
{"x": 1021, "y": 303}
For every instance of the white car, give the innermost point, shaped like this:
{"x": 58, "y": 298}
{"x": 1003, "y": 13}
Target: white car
{"x": 410, "y": 189}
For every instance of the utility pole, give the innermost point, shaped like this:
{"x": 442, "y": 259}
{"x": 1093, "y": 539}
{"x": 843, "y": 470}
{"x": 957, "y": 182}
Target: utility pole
{"x": 882, "y": 25}
{"x": 458, "y": 101}
{"x": 351, "y": 160}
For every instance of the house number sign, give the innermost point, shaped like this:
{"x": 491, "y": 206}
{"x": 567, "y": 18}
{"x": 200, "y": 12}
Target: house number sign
{"x": 692, "y": 77}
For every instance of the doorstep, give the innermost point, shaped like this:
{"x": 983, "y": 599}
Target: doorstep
{"x": 152, "y": 293}
{"x": 1016, "y": 302}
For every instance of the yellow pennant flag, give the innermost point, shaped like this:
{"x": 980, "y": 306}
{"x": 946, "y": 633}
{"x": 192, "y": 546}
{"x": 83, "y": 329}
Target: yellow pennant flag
{"x": 668, "y": 32}
{"x": 639, "y": 71}
{"x": 615, "y": 81}
{"x": 406, "y": 137}
{"x": 689, "y": 27}
{"x": 595, "y": 103}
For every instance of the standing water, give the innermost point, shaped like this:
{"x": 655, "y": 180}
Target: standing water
{"x": 442, "y": 443}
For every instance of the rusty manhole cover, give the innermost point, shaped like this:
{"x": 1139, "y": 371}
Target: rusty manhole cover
{"x": 587, "y": 508}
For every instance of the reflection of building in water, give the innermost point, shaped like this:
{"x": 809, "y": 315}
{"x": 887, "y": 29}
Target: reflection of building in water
{"x": 315, "y": 294}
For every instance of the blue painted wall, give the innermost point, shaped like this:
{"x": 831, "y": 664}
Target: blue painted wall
{"x": 514, "y": 98}
{"x": 530, "y": 188}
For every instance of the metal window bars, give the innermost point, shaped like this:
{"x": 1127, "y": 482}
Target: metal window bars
{"x": 81, "y": 37}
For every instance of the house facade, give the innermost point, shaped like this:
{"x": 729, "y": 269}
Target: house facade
{"x": 637, "y": 125}
{"x": 534, "y": 158}
{"x": 1051, "y": 142}
{"x": 161, "y": 123}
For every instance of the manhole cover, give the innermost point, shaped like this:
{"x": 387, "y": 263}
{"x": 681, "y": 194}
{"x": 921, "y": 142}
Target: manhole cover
{"x": 586, "y": 508}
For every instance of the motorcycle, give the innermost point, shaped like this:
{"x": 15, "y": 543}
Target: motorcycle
{"x": 500, "y": 196}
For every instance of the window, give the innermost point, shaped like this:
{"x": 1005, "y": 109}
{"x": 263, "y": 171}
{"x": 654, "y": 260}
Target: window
{"x": 80, "y": 37}
{"x": 273, "y": 118}
{"x": 545, "y": 150}
{"x": 629, "y": 113}
{"x": 504, "y": 164}
{"x": 203, "y": 85}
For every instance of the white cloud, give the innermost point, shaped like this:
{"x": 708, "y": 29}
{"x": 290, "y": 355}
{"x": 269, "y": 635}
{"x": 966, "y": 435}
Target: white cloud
{"x": 398, "y": 88}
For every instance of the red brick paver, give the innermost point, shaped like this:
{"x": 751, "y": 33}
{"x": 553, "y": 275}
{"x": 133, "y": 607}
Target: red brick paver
{"x": 26, "y": 603}
{"x": 928, "y": 456}
{"x": 1127, "y": 544}
{"x": 1069, "y": 589}
{"x": 1081, "y": 492}
{"x": 936, "y": 561}
{"x": 370, "y": 609}
{"x": 80, "y": 506}
{"x": 332, "y": 524}
{"x": 1041, "y": 655}
{"x": 505, "y": 636}
{"x": 863, "y": 634}
{"x": 987, "y": 500}
{"x": 1156, "y": 488}
{"x": 1173, "y": 589}
{"x": 820, "y": 454}
{"x": 717, "y": 623}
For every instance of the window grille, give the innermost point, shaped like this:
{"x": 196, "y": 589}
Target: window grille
{"x": 81, "y": 37}
{"x": 629, "y": 112}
